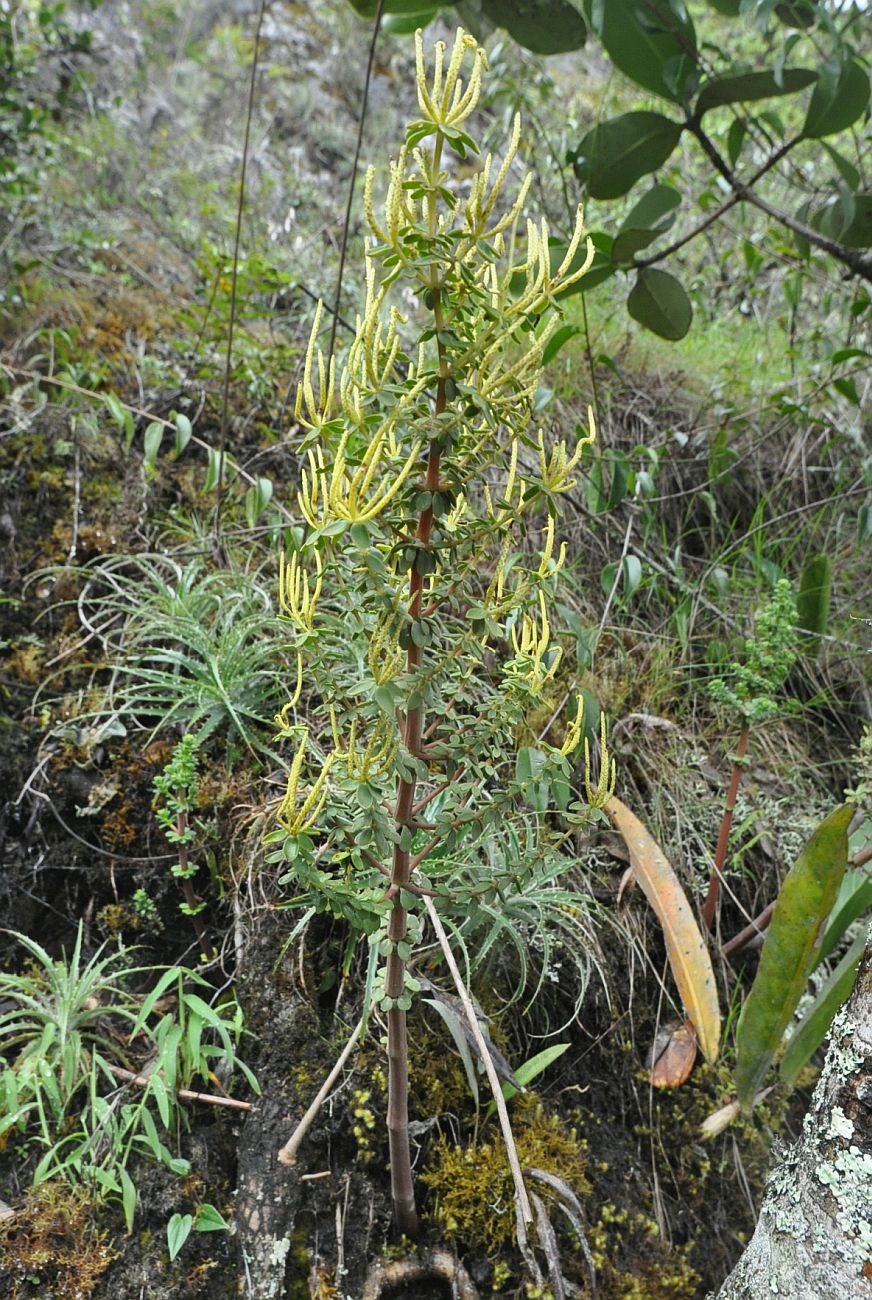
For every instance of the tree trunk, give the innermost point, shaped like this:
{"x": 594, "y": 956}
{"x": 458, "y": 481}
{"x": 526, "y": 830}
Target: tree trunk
{"x": 814, "y": 1236}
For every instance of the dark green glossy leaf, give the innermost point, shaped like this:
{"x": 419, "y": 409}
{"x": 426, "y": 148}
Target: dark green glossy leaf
{"x": 735, "y": 139}
{"x": 815, "y": 1026}
{"x": 658, "y": 302}
{"x": 838, "y": 100}
{"x": 650, "y": 217}
{"x": 543, "y": 26}
{"x": 813, "y": 601}
{"x": 797, "y": 13}
{"x": 616, "y": 154}
{"x": 746, "y": 87}
{"x": 408, "y": 24}
{"x": 789, "y": 950}
{"x": 652, "y": 41}
{"x": 729, "y": 8}
{"x": 558, "y": 340}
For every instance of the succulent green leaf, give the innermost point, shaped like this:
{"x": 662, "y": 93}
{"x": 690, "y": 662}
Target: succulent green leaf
{"x": 542, "y": 26}
{"x": 838, "y": 99}
{"x": 616, "y": 154}
{"x": 658, "y": 302}
{"x": 746, "y": 87}
{"x": 653, "y": 43}
{"x": 815, "y": 1025}
{"x": 210, "y": 1220}
{"x": 789, "y": 950}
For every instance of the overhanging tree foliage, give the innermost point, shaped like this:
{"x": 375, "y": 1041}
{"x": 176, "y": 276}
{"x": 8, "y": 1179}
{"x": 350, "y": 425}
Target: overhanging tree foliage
{"x": 807, "y": 81}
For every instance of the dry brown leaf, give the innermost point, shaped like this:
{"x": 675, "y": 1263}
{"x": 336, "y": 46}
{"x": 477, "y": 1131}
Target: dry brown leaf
{"x": 688, "y": 955}
{"x": 673, "y": 1058}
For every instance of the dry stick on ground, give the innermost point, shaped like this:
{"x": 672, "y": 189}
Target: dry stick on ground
{"x": 288, "y": 1153}
{"x": 183, "y": 1094}
{"x": 523, "y": 1210}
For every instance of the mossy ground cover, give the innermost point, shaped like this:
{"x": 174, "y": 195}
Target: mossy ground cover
{"x": 120, "y": 284}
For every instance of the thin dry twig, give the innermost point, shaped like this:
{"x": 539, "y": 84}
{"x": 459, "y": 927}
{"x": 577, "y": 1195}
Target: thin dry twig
{"x": 183, "y": 1094}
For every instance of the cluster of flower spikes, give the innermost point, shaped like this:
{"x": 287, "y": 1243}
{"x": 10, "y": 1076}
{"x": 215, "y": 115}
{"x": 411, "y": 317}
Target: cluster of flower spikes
{"x": 367, "y": 426}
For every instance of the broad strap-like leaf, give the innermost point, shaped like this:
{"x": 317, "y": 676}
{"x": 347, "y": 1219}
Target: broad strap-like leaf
{"x": 834, "y": 992}
{"x": 685, "y": 947}
{"x": 789, "y": 950}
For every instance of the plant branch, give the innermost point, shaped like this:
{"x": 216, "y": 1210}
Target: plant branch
{"x": 240, "y": 209}
{"x": 183, "y": 1094}
{"x": 853, "y": 259}
{"x": 337, "y": 296}
{"x": 719, "y": 212}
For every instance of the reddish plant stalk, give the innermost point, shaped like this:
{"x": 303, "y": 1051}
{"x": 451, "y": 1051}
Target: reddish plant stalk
{"x": 708, "y": 911}
{"x": 188, "y": 891}
{"x": 402, "y": 1188}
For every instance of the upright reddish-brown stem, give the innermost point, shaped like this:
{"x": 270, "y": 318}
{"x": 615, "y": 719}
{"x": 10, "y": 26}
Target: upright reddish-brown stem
{"x": 708, "y": 911}
{"x": 188, "y": 890}
{"x": 402, "y": 1187}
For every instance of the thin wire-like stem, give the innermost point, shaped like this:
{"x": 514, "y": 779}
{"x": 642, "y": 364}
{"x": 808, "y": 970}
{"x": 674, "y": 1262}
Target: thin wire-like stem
{"x": 234, "y": 275}
{"x": 346, "y": 227}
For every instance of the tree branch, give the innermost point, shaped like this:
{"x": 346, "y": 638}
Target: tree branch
{"x": 852, "y": 258}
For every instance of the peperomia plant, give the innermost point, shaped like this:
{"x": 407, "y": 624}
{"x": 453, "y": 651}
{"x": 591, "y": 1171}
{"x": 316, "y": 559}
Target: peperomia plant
{"x": 421, "y": 619}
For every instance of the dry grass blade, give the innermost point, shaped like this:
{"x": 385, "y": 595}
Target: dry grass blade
{"x": 548, "y": 1242}
{"x": 685, "y": 947}
{"x": 571, "y": 1207}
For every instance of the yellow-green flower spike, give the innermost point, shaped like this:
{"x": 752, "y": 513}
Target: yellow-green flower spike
{"x": 573, "y": 731}
{"x": 385, "y": 656}
{"x": 598, "y": 795}
{"x": 294, "y": 821}
{"x": 297, "y": 598}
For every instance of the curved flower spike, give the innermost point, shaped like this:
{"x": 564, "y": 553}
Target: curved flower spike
{"x": 573, "y": 731}
{"x": 297, "y": 599}
{"x": 313, "y": 495}
{"x": 447, "y": 104}
{"x": 555, "y": 471}
{"x": 384, "y": 654}
{"x": 309, "y": 411}
{"x": 598, "y": 795}
{"x": 298, "y": 821}
{"x": 548, "y": 565}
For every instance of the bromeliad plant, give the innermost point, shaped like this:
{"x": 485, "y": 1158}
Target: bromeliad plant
{"x": 422, "y": 624}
